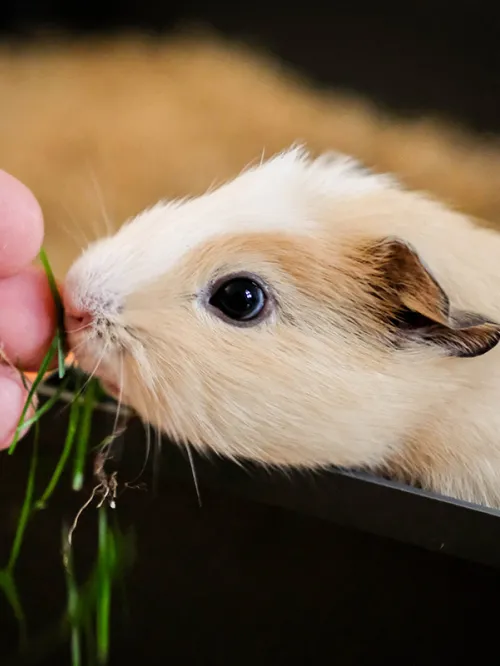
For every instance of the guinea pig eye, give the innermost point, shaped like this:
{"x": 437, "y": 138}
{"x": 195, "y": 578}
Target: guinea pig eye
{"x": 240, "y": 299}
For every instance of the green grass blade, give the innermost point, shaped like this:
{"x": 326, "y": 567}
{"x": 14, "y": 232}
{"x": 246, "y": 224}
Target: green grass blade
{"x": 105, "y": 566}
{"x": 83, "y": 436}
{"x": 61, "y": 365}
{"x": 79, "y": 618}
{"x": 73, "y": 421}
{"x": 89, "y": 607}
{"x": 7, "y": 584}
{"x": 74, "y": 604}
{"x": 41, "y": 373}
{"x": 59, "y": 311}
{"x": 76, "y": 647}
{"x": 27, "y": 506}
{"x": 50, "y": 276}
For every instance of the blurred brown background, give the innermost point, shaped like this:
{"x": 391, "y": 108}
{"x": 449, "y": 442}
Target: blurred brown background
{"x": 417, "y": 56}
{"x": 121, "y": 111}
{"x": 128, "y": 105}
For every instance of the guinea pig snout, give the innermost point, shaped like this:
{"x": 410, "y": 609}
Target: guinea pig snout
{"x": 75, "y": 318}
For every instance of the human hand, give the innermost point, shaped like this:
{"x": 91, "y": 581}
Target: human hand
{"x": 27, "y": 309}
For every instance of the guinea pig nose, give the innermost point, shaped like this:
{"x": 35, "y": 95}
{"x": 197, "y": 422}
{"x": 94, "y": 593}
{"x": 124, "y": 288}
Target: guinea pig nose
{"x": 77, "y": 319}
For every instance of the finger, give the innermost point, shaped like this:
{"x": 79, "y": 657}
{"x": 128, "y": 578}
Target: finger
{"x": 13, "y": 396}
{"x": 27, "y": 318}
{"x": 21, "y": 225}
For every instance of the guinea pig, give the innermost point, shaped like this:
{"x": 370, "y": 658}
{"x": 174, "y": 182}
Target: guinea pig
{"x": 308, "y": 313}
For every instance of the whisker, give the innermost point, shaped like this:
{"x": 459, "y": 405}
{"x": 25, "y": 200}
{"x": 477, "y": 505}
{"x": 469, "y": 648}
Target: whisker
{"x": 108, "y": 227}
{"x": 119, "y": 401}
{"x": 81, "y": 344}
{"x": 147, "y": 432}
{"x": 77, "y": 226}
{"x": 193, "y": 471}
{"x": 93, "y": 218}
{"x": 70, "y": 233}
{"x": 88, "y": 379}
{"x": 144, "y": 374}
{"x": 82, "y": 328}
{"x": 96, "y": 367}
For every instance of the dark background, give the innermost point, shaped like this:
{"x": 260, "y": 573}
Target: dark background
{"x": 235, "y": 583}
{"x": 413, "y": 56}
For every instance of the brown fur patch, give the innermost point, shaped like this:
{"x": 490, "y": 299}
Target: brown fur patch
{"x": 413, "y": 301}
{"x": 405, "y": 281}
{"x": 374, "y": 287}
{"x": 317, "y": 282}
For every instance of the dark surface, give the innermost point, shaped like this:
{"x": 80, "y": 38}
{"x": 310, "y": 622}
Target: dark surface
{"x": 244, "y": 582}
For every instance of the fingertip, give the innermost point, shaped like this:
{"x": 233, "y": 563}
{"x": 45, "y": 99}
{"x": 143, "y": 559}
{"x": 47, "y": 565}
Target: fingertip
{"x": 21, "y": 225}
{"x": 29, "y": 318}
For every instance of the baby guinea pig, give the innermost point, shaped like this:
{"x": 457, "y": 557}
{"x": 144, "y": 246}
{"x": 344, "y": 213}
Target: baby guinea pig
{"x": 307, "y": 313}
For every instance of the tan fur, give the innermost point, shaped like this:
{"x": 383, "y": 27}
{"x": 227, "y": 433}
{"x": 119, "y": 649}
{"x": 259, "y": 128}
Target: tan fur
{"x": 324, "y": 379}
{"x": 108, "y": 127}
{"x": 455, "y": 449}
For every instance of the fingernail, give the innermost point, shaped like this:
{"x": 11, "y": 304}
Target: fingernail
{"x": 12, "y": 397}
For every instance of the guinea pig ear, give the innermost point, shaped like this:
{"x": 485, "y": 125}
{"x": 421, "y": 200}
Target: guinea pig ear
{"x": 418, "y": 309}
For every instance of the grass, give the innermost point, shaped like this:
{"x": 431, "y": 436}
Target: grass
{"x": 60, "y": 336}
{"x": 74, "y": 419}
{"x": 90, "y": 603}
{"x": 88, "y": 614}
{"x": 26, "y": 508}
{"x": 83, "y": 436}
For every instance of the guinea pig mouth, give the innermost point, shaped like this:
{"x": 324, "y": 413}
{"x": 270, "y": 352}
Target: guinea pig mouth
{"x": 88, "y": 366}
{"x": 112, "y": 389}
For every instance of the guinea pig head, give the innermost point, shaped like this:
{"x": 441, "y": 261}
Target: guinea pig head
{"x": 246, "y": 322}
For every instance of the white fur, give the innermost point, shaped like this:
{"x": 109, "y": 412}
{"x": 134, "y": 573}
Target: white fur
{"x": 283, "y": 194}
{"x": 302, "y": 392}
